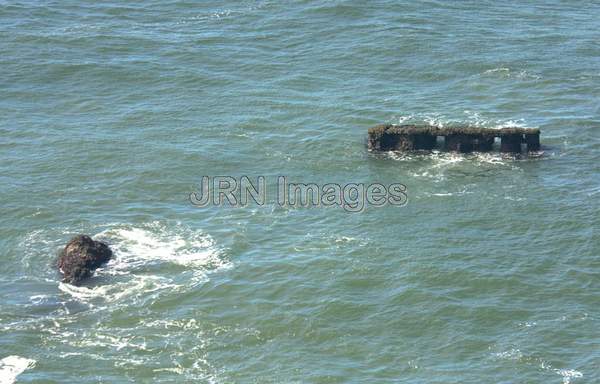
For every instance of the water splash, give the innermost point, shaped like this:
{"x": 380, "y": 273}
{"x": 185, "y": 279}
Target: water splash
{"x": 13, "y": 366}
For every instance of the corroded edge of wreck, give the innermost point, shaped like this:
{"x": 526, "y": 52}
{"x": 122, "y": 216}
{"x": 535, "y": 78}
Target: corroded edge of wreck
{"x": 388, "y": 137}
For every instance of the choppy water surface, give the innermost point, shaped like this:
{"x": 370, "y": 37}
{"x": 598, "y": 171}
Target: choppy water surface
{"x": 112, "y": 113}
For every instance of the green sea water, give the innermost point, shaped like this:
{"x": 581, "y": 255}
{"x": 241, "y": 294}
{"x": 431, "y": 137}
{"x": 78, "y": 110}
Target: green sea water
{"x": 111, "y": 113}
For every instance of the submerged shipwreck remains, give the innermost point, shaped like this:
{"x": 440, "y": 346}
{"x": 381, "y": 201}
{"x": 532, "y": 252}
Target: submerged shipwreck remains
{"x": 81, "y": 257}
{"x": 388, "y": 137}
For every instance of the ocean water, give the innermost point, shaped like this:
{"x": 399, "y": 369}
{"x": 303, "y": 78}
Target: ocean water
{"x": 111, "y": 113}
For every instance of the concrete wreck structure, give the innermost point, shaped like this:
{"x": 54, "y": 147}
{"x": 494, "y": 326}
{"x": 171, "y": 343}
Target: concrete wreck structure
{"x": 460, "y": 139}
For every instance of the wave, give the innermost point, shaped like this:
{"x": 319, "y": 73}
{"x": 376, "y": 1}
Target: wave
{"x": 516, "y": 355}
{"x": 437, "y": 166}
{"x": 218, "y": 14}
{"x": 134, "y": 286}
{"x": 505, "y": 72}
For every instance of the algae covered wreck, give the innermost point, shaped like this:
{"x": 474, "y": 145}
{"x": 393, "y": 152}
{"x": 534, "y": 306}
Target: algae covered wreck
{"x": 389, "y": 137}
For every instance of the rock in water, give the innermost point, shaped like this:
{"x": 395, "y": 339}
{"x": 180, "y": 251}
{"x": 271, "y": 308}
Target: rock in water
{"x": 81, "y": 257}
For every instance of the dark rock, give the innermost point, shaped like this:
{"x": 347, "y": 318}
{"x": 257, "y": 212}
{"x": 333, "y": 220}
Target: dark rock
{"x": 81, "y": 256}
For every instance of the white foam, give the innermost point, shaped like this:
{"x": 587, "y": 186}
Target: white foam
{"x": 189, "y": 324}
{"x": 137, "y": 248}
{"x": 528, "y": 324}
{"x": 344, "y": 239}
{"x": 446, "y": 194}
{"x": 13, "y": 366}
{"x": 512, "y": 354}
{"x": 471, "y": 118}
{"x": 508, "y": 73}
{"x": 435, "y": 120}
{"x": 134, "y": 246}
{"x": 437, "y": 166}
{"x": 568, "y": 374}
{"x": 38, "y": 299}
{"x": 114, "y": 292}
{"x": 495, "y": 70}
{"x": 514, "y": 198}
{"x": 112, "y": 342}
{"x": 510, "y": 124}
